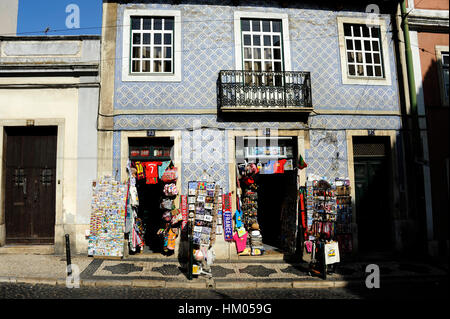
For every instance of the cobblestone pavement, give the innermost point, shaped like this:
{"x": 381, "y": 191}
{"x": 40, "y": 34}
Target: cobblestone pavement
{"x": 431, "y": 290}
{"x": 144, "y": 271}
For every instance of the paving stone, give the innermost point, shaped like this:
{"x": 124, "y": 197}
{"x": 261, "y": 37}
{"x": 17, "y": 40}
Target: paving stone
{"x": 219, "y": 271}
{"x": 257, "y": 271}
{"x": 123, "y": 269}
{"x": 168, "y": 270}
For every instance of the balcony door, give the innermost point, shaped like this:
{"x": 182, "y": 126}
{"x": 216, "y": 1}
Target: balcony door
{"x": 263, "y": 64}
{"x": 262, "y": 51}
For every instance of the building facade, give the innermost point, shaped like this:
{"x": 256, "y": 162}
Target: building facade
{"x": 205, "y": 77}
{"x": 428, "y": 23}
{"x": 8, "y": 17}
{"x": 49, "y": 92}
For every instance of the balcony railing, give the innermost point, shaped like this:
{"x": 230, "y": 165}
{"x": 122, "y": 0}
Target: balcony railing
{"x": 264, "y": 91}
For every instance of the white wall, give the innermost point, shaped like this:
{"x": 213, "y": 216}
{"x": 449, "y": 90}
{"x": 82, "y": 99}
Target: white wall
{"x": 8, "y": 17}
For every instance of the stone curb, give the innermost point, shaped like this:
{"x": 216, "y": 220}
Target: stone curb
{"x": 211, "y": 284}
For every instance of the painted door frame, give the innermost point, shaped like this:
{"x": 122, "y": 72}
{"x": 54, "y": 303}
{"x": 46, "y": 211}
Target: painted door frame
{"x": 59, "y": 220}
{"x": 124, "y": 151}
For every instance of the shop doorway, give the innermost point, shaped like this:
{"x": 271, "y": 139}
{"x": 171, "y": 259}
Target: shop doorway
{"x": 274, "y": 191}
{"x": 373, "y": 193}
{"x": 273, "y": 208}
{"x": 30, "y": 191}
{"x": 150, "y": 149}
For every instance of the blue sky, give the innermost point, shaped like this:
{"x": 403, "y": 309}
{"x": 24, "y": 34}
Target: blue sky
{"x": 35, "y": 16}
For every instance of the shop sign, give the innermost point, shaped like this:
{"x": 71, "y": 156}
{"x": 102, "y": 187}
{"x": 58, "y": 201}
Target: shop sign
{"x": 227, "y": 225}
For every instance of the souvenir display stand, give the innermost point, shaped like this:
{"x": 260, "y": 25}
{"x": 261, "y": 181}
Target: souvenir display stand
{"x": 321, "y": 248}
{"x": 107, "y": 221}
{"x": 204, "y": 202}
{"x": 344, "y": 216}
{"x": 171, "y": 217}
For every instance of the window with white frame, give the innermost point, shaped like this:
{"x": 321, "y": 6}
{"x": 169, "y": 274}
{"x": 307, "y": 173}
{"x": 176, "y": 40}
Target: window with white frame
{"x": 152, "y": 44}
{"x": 363, "y": 48}
{"x": 262, "y": 48}
{"x": 364, "y": 52}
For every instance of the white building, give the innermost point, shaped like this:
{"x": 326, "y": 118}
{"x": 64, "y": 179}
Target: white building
{"x": 49, "y": 91}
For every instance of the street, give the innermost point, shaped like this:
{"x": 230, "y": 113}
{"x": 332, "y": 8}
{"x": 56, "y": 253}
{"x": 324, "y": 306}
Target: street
{"x": 420, "y": 290}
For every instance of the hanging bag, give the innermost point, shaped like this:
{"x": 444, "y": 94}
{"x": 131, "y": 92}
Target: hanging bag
{"x": 170, "y": 175}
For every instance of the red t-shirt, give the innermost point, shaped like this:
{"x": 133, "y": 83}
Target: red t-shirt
{"x": 278, "y": 168}
{"x": 151, "y": 172}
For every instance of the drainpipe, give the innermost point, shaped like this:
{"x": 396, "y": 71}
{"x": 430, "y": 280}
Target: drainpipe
{"x": 409, "y": 62}
{"x": 415, "y": 129}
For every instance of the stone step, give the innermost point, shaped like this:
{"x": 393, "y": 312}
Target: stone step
{"x": 28, "y": 249}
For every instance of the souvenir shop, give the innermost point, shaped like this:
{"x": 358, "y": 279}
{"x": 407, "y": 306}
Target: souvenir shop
{"x": 145, "y": 215}
{"x": 275, "y": 212}
{"x": 266, "y": 186}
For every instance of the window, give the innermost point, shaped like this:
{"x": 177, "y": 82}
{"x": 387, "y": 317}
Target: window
{"x": 364, "y": 52}
{"x": 262, "y": 48}
{"x": 263, "y": 41}
{"x": 151, "y": 45}
{"x": 362, "y": 45}
{"x": 443, "y": 65}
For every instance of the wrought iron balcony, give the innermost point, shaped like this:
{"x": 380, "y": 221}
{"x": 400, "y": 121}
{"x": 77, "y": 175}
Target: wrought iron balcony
{"x": 264, "y": 91}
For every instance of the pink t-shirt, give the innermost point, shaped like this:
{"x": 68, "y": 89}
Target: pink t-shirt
{"x": 241, "y": 242}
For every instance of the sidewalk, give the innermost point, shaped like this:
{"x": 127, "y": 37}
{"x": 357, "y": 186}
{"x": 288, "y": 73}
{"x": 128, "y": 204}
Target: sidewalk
{"x": 156, "y": 271}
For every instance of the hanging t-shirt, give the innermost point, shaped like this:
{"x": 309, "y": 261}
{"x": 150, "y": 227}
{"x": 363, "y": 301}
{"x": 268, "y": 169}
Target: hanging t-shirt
{"x": 238, "y": 216}
{"x": 278, "y": 167}
{"x": 140, "y": 170}
{"x": 241, "y": 242}
{"x": 151, "y": 172}
{"x": 269, "y": 167}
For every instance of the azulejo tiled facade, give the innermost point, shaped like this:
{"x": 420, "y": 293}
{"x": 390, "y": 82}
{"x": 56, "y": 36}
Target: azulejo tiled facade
{"x": 208, "y": 46}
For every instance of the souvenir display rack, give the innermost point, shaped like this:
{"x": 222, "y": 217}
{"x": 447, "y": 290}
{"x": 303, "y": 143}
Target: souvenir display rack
{"x": 344, "y": 216}
{"x": 107, "y": 221}
{"x": 321, "y": 226}
{"x": 203, "y": 205}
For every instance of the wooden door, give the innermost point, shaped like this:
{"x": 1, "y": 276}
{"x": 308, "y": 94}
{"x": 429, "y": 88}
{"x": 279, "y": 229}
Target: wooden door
{"x": 372, "y": 204}
{"x": 30, "y": 184}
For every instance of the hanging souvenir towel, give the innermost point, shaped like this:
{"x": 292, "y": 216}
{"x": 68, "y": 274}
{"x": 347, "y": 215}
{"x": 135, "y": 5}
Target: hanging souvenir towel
{"x": 241, "y": 242}
{"x": 162, "y": 168}
{"x": 151, "y": 172}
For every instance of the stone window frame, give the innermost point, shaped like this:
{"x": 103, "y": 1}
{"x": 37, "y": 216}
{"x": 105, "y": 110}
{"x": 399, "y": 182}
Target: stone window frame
{"x": 358, "y": 80}
{"x": 126, "y": 49}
